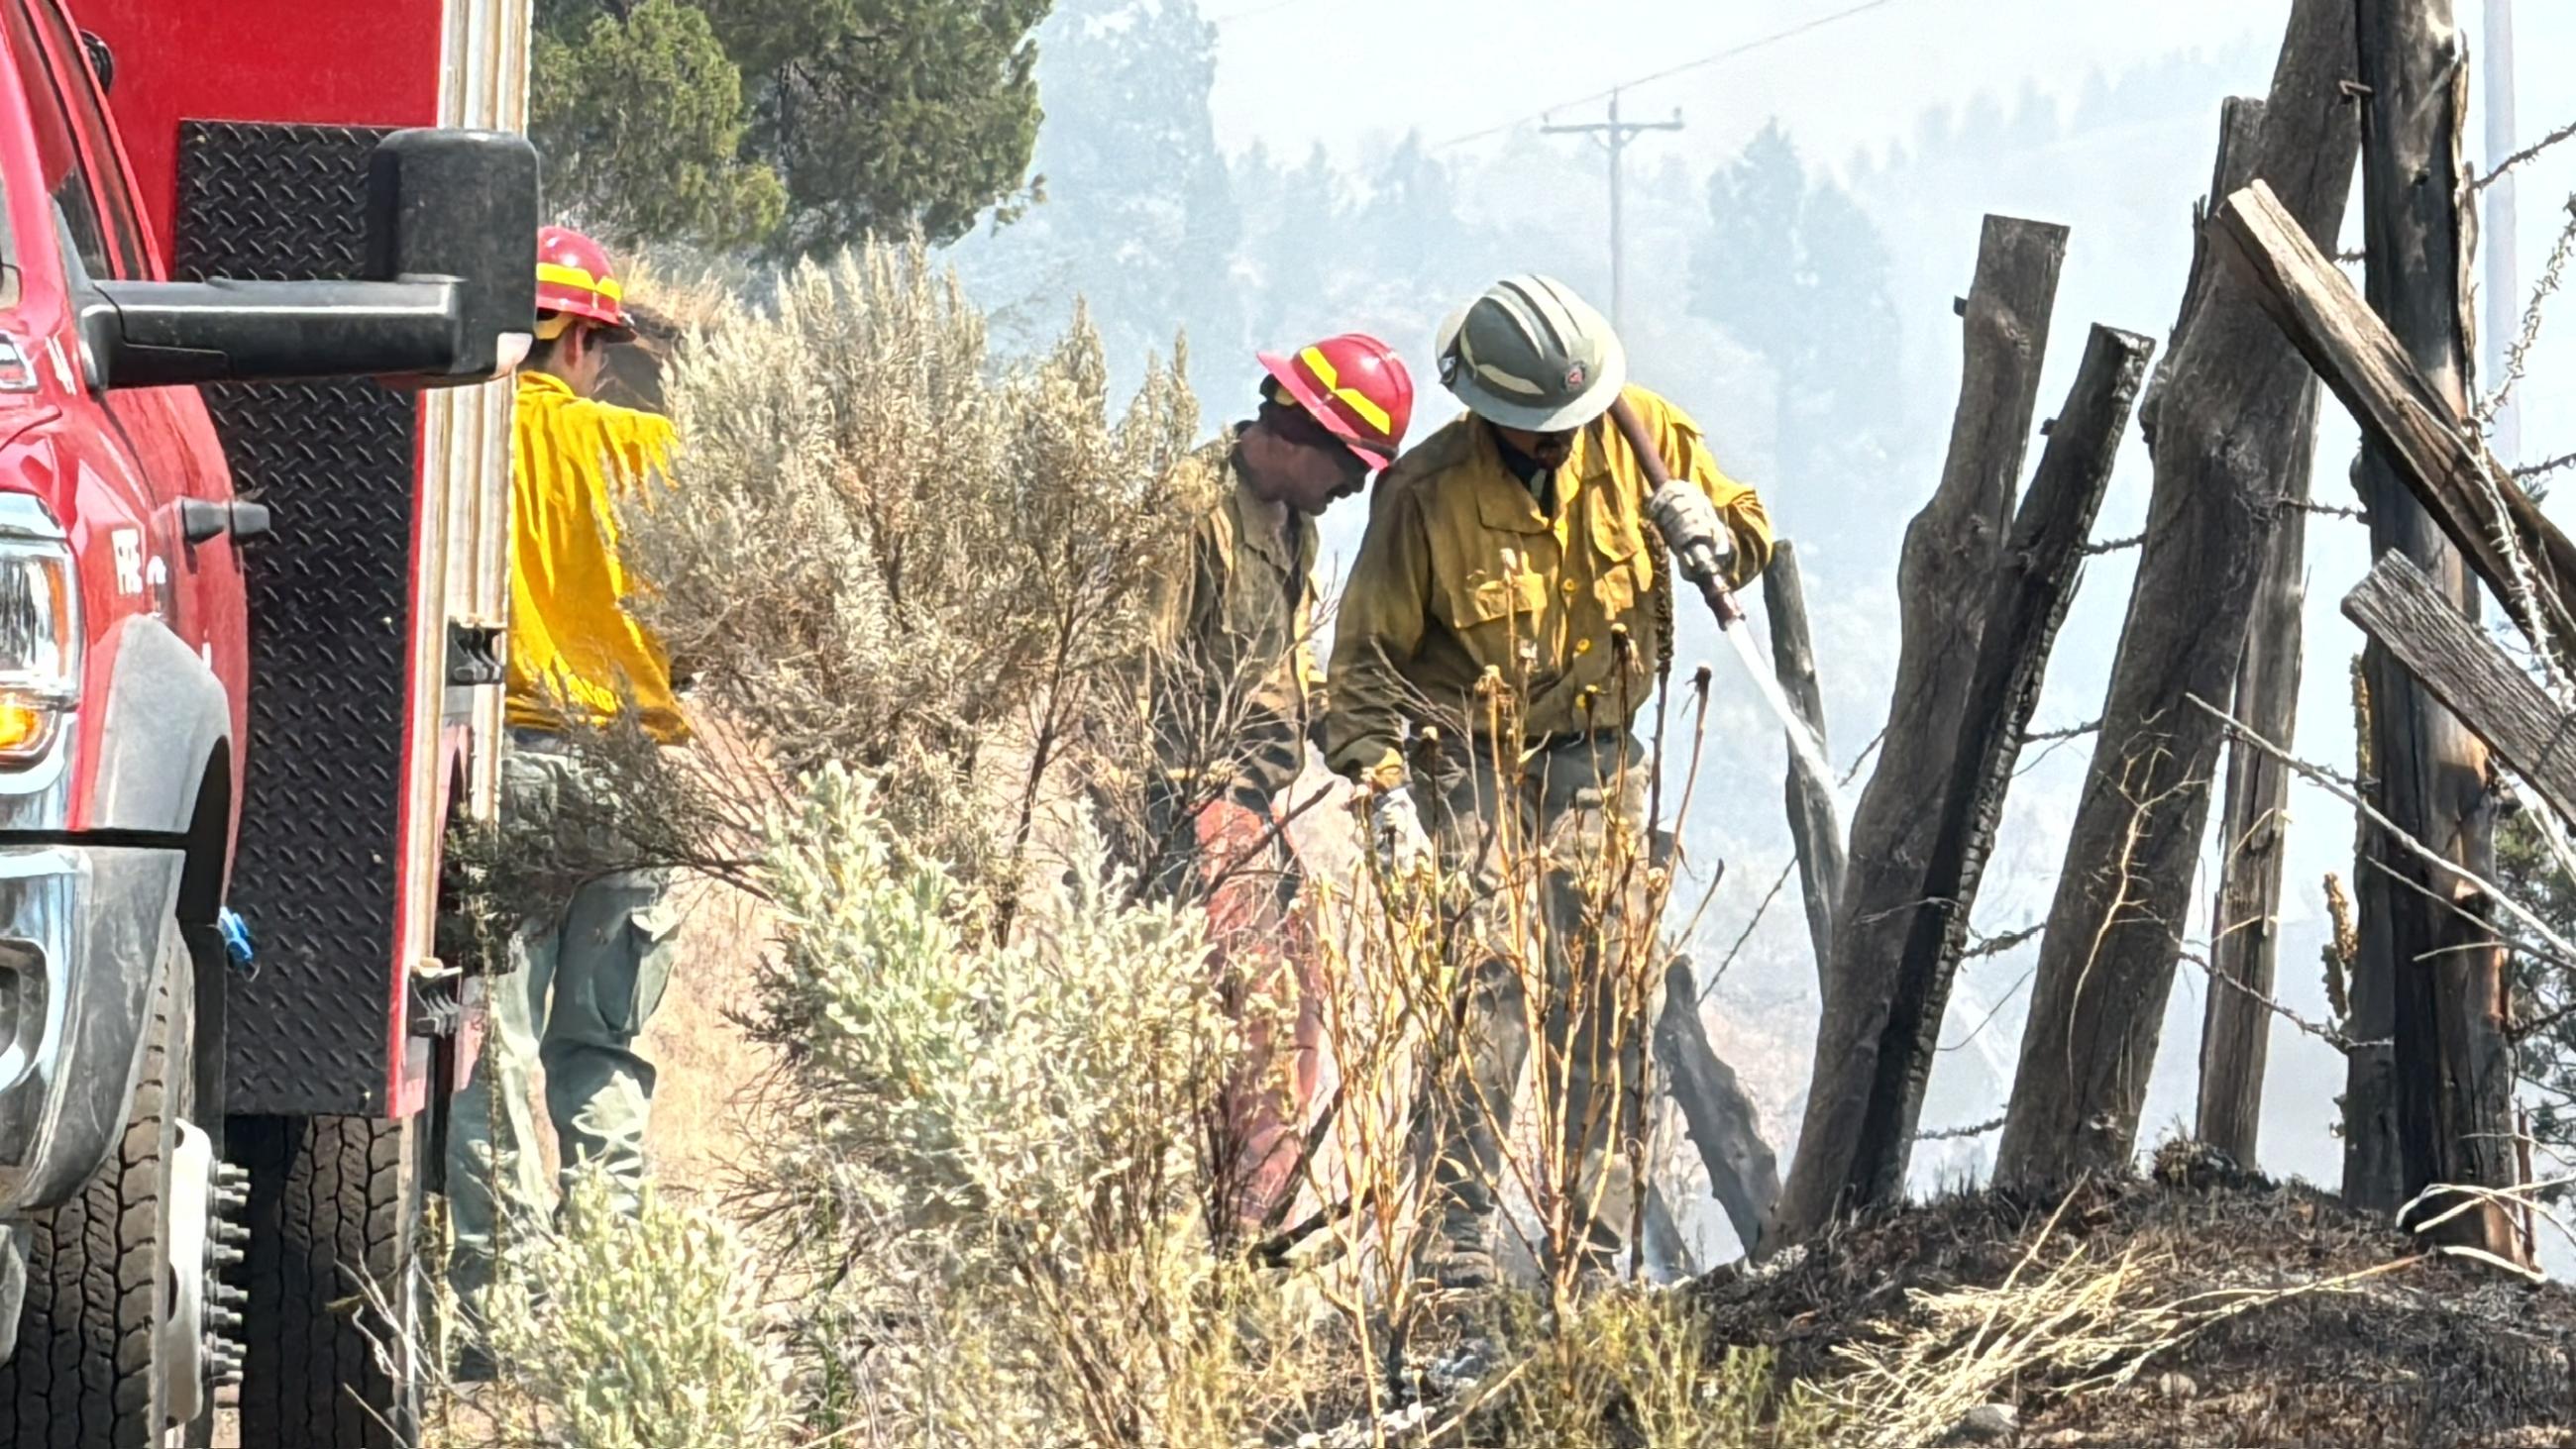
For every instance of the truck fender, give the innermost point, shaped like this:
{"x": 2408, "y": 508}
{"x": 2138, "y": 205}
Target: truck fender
{"x": 96, "y": 900}
{"x": 166, "y": 716}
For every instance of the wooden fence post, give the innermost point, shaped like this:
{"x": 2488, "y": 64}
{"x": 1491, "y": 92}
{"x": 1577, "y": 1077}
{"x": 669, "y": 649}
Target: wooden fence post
{"x": 1944, "y": 577}
{"x": 2454, "y": 1066}
{"x": 2225, "y": 426}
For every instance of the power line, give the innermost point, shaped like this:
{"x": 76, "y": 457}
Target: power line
{"x": 1730, "y": 53}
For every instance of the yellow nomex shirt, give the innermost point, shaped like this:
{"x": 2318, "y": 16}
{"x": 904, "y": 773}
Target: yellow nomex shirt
{"x": 576, "y": 655}
{"x": 1232, "y": 625}
{"x": 1461, "y": 570}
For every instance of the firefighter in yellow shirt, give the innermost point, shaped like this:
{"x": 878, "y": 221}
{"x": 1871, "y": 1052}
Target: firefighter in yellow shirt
{"x": 1232, "y": 685}
{"x": 586, "y": 977}
{"x": 1514, "y": 546}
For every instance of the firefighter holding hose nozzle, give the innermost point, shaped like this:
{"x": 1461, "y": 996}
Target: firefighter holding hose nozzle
{"x": 1520, "y": 549}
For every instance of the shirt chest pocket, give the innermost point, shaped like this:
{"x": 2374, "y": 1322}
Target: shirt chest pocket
{"x": 1491, "y": 604}
{"x": 1619, "y": 563}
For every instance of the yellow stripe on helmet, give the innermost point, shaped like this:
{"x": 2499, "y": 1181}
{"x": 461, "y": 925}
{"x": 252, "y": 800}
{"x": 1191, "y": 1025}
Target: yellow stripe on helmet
{"x": 1331, "y": 378}
{"x": 564, "y": 276}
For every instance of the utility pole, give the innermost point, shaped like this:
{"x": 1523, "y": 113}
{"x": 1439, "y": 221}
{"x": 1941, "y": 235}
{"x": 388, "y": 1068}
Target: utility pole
{"x": 2504, "y": 282}
{"x": 1616, "y": 134}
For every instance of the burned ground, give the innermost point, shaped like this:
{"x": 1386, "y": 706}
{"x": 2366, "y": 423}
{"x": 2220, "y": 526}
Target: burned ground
{"x": 2440, "y": 1351}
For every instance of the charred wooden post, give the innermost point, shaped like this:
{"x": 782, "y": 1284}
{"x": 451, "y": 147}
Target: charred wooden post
{"x": 2405, "y": 613}
{"x": 1944, "y": 582}
{"x": 2240, "y": 138}
{"x": 2225, "y": 430}
{"x": 1810, "y": 800}
{"x": 2236, "y": 1026}
{"x": 2454, "y": 1061}
{"x": 1718, "y": 1114}
{"x": 2032, "y": 591}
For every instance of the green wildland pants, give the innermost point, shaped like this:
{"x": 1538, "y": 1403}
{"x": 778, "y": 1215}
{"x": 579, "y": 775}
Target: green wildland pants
{"x": 582, "y": 983}
{"x": 1567, "y": 799}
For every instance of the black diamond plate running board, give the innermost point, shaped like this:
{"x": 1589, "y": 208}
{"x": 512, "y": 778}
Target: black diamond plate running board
{"x": 319, "y": 868}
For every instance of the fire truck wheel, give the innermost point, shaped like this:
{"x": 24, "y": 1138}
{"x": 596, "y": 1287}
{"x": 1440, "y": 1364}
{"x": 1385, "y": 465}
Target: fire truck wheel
{"x": 335, "y": 1323}
{"x": 88, "y": 1373}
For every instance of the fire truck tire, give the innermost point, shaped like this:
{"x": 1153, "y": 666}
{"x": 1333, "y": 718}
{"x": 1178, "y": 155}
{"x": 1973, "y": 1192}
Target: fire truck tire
{"x": 87, "y": 1373}
{"x": 331, "y": 1360}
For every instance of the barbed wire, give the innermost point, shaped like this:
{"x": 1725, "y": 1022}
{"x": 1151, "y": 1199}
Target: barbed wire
{"x": 2506, "y": 166}
{"x": 1782, "y": 881}
{"x": 2545, "y": 467}
{"x": 2349, "y": 792}
{"x": 2519, "y": 355}
{"x": 1997, "y": 945}
{"x": 2503, "y": 168}
{"x": 2070, "y": 732}
{"x": 2332, "y": 1036}
{"x": 1953, "y": 1134}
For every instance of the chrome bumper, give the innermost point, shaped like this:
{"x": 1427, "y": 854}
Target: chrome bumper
{"x": 80, "y": 935}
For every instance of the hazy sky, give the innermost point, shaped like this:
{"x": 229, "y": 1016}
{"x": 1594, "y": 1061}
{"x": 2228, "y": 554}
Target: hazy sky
{"x": 1351, "y": 74}
{"x": 1342, "y": 71}
{"x": 1335, "y": 70}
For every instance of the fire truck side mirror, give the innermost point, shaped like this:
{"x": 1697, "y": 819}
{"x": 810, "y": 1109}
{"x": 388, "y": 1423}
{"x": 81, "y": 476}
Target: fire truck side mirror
{"x": 460, "y": 207}
{"x": 450, "y": 295}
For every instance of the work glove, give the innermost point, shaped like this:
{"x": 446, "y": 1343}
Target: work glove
{"x": 1401, "y": 840}
{"x": 1693, "y": 533}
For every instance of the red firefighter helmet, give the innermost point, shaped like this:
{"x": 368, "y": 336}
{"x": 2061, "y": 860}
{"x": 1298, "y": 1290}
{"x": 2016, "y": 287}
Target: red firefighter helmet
{"x": 1356, "y": 387}
{"x": 574, "y": 278}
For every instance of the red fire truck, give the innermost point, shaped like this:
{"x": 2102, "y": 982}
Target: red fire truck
{"x": 254, "y": 254}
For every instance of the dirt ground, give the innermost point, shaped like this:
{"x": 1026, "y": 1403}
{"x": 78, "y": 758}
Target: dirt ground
{"x": 704, "y": 1062}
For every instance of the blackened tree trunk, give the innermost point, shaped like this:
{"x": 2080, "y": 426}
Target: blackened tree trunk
{"x": 1944, "y": 583}
{"x": 2226, "y": 428}
{"x": 2454, "y": 1065}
